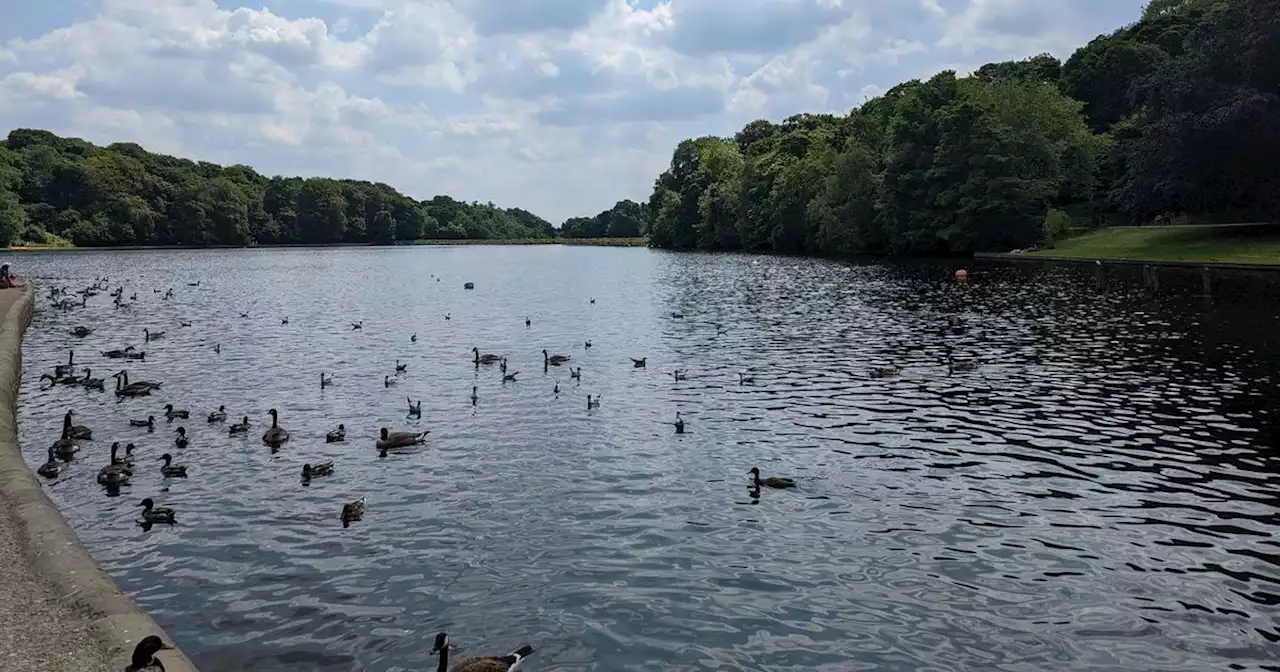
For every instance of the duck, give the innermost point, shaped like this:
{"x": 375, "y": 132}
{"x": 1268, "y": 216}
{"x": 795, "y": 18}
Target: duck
{"x": 81, "y": 332}
{"x": 149, "y": 335}
{"x": 554, "y": 360}
{"x": 52, "y": 467}
{"x": 639, "y": 363}
{"x": 219, "y": 415}
{"x": 772, "y": 481}
{"x": 116, "y": 472}
{"x": 144, "y": 655}
{"x": 415, "y": 410}
{"x": 181, "y": 441}
{"x": 92, "y": 383}
{"x": 885, "y": 371}
{"x": 310, "y": 471}
{"x": 64, "y": 369}
{"x": 507, "y": 663}
{"x": 484, "y": 359}
{"x": 575, "y": 374}
{"x": 678, "y": 375}
{"x": 593, "y": 403}
{"x": 387, "y": 381}
{"x": 357, "y": 325}
{"x": 336, "y": 436}
{"x": 75, "y": 431}
{"x": 679, "y": 423}
{"x": 275, "y": 435}
{"x": 170, "y": 412}
{"x": 401, "y": 368}
{"x": 400, "y": 439}
{"x": 241, "y": 427}
{"x": 149, "y": 422}
{"x": 325, "y": 382}
{"x": 156, "y": 514}
{"x": 352, "y": 512}
{"x": 171, "y": 470}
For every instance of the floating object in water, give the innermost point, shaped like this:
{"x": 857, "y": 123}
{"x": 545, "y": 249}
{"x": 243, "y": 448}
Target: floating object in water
{"x": 469, "y": 285}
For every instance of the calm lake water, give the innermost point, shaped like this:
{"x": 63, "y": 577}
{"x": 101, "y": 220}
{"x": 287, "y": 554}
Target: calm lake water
{"x": 1100, "y": 494}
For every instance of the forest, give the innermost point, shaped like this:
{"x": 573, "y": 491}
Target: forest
{"x": 55, "y": 191}
{"x": 1174, "y": 118}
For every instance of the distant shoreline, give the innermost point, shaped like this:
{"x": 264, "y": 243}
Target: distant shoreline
{"x": 596, "y": 242}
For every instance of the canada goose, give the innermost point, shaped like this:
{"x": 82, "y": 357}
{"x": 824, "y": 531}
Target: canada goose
{"x": 352, "y": 512}
{"x": 507, "y": 663}
{"x": 885, "y": 371}
{"x": 217, "y": 348}
{"x": 171, "y": 413}
{"x": 127, "y": 460}
{"x": 387, "y": 381}
{"x": 679, "y": 423}
{"x": 772, "y": 481}
{"x": 241, "y": 427}
{"x": 65, "y": 447}
{"x": 276, "y": 434}
{"x": 156, "y": 514}
{"x": 678, "y": 375}
{"x": 527, "y": 322}
{"x": 171, "y": 470}
{"x": 575, "y": 374}
{"x": 639, "y": 363}
{"x": 556, "y": 389}
{"x": 554, "y": 360}
{"x": 64, "y": 369}
{"x": 484, "y": 359}
{"x": 116, "y": 472}
{"x": 219, "y": 415}
{"x": 76, "y": 431}
{"x": 400, "y": 368}
{"x": 81, "y": 332}
{"x": 52, "y": 467}
{"x": 181, "y": 441}
{"x": 118, "y": 353}
{"x": 151, "y": 336}
{"x": 510, "y": 377}
{"x": 149, "y": 422}
{"x": 325, "y": 382}
{"x": 400, "y": 439}
{"x": 310, "y": 471}
{"x": 593, "y": 403}
{"x": 415, "y": 410}
{"x": 137, "y": 388}
{"x": 92, "y": 383}
{"x": 357, "y": 325}
{"x": 336, "y": 436}
{"x": 144, "y": 655}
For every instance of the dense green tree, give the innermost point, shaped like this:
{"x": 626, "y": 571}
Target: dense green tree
{"x": 382, "y": 230}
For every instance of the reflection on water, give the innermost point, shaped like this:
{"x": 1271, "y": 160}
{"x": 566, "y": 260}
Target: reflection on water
{"x": 1099, "y": 494}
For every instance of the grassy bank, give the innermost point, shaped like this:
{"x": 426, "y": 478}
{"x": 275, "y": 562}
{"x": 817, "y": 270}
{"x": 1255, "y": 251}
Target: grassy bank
{"x": 606, "y": 242}
{"x": 1243, "y": 244}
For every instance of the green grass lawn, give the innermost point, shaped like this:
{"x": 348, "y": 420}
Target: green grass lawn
{"x": 1252, "y": 244}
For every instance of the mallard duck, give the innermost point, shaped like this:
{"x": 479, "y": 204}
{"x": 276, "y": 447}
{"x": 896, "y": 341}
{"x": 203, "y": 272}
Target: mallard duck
{"x": 593, "y": 402}
{"x": 81, "y": 332}
{"x": 885, "y": 371}
{"x": 144, "y": 655}
{"x": 149, "y": 422}
{"x": 554, "y": 360}
{"x": 64, "y": 369}
{"x": 387, "y": 381}
{"x": 639, "y": 363}
{"x": 337, "y": 435}
{"x": 75, "y": 431}
{"x": 171, "y": 470}
{"x": 507, "y": 663}
{"x": 181, "y": 441}
{"x": 401, "y": 439}
{"x": 357, "y": 325}
{"x": 401, "y": 368}
{"x": 170, "y": 412}
{"x": 415, "y": 410}
{"x": 325, "y": 382}
{"x": 310, "y": 471}
{"x": 772, "y": 481}
{"x": 156, "y": 514}
{"x": 117, "y": 354}
{"x": 92, "y": 383}
{"x": 484, "y": 359}
{"x": 52, "y": 467}
{"x": 679, "y": 423}
{"x": 275, "y": 435}
{"x": 352, "y": 512}
{"x": 149, "y": 335}
{"x": 219, "y": 415}
{"x": 575, "y": 374}
{"x": 241, "y": 427}
{"x": 116, "y": 472}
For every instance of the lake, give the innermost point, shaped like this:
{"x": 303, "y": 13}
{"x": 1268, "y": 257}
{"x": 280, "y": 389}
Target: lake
{"x": 1099, "y": 494}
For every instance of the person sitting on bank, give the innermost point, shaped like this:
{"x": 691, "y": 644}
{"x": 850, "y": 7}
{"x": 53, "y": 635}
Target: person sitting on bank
{"x": 6, "y": 280}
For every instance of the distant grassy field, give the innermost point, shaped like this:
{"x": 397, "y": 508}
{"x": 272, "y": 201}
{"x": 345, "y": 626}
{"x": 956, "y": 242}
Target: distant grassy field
{"x": 1243, "y": 244}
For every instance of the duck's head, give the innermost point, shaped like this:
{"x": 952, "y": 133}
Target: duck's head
{"x": 147, "y": 503}
{"x": 385, "y": 433}
{"x": 442, "y": 643}
{"x": 755, "y": 471}
{"x": 146, "y": 650}
{"x": 128, "y": 449}
{"x": 182, "y": 431}
{"x": 168, "y": 407}
{"x": 342, "y": 427}
{"x": 222, "y": 409}
{"x": 306, "y": 470}
{"x": 166, "y": 458}
{"x": 151, "y": 419}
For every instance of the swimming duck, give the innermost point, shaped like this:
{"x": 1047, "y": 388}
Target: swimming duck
{"x": 772, "y": 481}
{"x": 337, "y": 435}
{"x": 219, "y": 415}
{"x": 81, "y": 332}
{"x": 593, "y": 403}
{"x": 357, "y": 325}
{"x": 310, "y": 471}
{"x": 400, "y": 368}
{"x": 387, "y": 381}
{"x": 182, "y": 440}
{"x": 679, "y": 423}
{"x": 241, "y": 427}
{"x": 144, "y": 655}
{"x": 325, "y": 382}
{"x": 639, "y": 363}
{"x": 64, "y": 369}
{"x": 352, "y": 512}
{"x": 149, "y": 422}
{"x": 507, "y": 663}
{"x": 92, "y": 383}
{"x": 885, "y": 371}
{"x": 171, "y": 470}
{"x": 554, "y": 360}
{"x": 276, "y": 434}
{"x": 415, "y": 410}
{"x": 151, "y": 335}
{"x": 401, "y": 439}
{"x": 484, "y": 359}
{"x": 156, "y": 514}
{"x": 171, "y": 413}
{"x": 116, "y": 472}
{"x": 75, "y": 431}
{"x": 52, "y": 467}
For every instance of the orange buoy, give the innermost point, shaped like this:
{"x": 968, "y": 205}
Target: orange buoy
{"x": 962, "y": 275}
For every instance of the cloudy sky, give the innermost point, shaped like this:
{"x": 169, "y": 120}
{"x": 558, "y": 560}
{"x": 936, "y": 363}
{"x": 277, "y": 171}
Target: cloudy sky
{"x": 558, "y": 106}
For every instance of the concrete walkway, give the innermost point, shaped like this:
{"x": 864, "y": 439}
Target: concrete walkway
{"x": 59, "y": 612}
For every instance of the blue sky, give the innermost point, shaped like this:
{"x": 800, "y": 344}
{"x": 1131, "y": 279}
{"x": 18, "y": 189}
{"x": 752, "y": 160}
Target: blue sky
{"x": 558, "y": 106}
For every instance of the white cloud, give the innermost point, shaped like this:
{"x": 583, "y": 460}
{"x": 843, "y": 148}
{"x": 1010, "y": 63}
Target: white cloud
{"x": 561, "y": 107}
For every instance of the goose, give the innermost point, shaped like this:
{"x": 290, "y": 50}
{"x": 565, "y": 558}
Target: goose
{"x": 484, "y": 359}
{"x": 284, "y": 320}
{"x": 474, "y": 397}
{"x": 81, "y": 332}
{"x": 64, "y": 369}
{"x": 507, "y": 663}
{"x": 885, "y": 371}
{"x": 156, "y": 514}
{"x": 357, "y": 325}
{"x": 510, "y": 377}
{"x": 219, "y": 415}
{"x": 744, "y": 379}
{"x": 771, "y": 482}
{"x": 141, "y": 385}
{"x": 217, "y": 348}
{"x": 593, "y": 300}
{"x": 127, "y": 460}
{"x": 241, "y": 427}
{"x": 679, "y": 423}
{"x": 65, "y": 447}
{"x": 310, "y": 471}
{"x": 387, "y": 381}
{"x": 149, "y": 422}
{"x": 276, "y": 434}
{"x": 116, "y": 472}
{"x": 184, "y": 323}
{"x": 52, "y": 467}
{"x": 593, "y": 403}
{"x": 325, "y": 382}
{"x": 413, "y": 338}
{"x": 554, "y": 360}
{"x": 586, "y": 344}
{"x": 678, "y": 375}
{"x": 638, "y": 363}
{"x": 400, "y": 439}
{"x": 144, "y": 655}
{"x": 171, "y": 470}
{"x": 575, "y": 374}
{"x": 152, "y": 336}
{"x": 352, "y": 512}
{"x": 170, "y": 412}
{"x": 400, "y": 368}
{"x": 181, "y": 441}
{"x": 337, "y": 435}
{"x": 92, "y": 383}
{"x": 528, "y": 322}
{"x": 415, "y": 410}
{"x": 76, "y": 431}
{"x": 244, "y": 314}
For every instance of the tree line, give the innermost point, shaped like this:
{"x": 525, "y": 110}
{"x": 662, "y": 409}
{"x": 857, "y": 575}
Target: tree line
{"x": 55, "y": 190}
{"x": 1175, "y": 115}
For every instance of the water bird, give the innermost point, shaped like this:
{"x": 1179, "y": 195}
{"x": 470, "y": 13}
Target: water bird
{"x": 81, "y": 332}
{"x": 275, "y": 435}
{"x": 241, "y": 427}
{"x": 128, "y": 455}
{"x": 575, "y": 374}
{"x": 118, "y": 353}
{"x": 586, "y": 344}
{"x": 157, "y": 514}
{"x": 507, "y": 663}
{"x": 554, "y": 360}
{"x": 885, "y": 371}
{"x": 92, "y": 383}
{"x": 772, "y": 481}
{"x": 149, "y": 422}
{"x": 125, "y": 389}
{"x": 184, "y": 323}
{"x": 677, "y": 316}
{"x": 284, "y": 320}
{"x": 64, "y": 369}
{"x": 503, "y": 365}
{"x": 144, "y": 655}
{"x": 51, "y": 467}
{"x": 391, "y": 439}
{"x": 65, "y": 447}
{"x": 171, "y": 470}
{"x": 310, "y": 471}
{"x": 556, "y": 389}
{"x": 527, "y": 322}
{"x": 510, "y": 377}
{"x": 244, "y": 314}
{"x": 593, "y": 300}
{"x": 217, "y": 348}
{"x": 401, "y": 368}
{"x": 413, "y": 338}
{"x": 678, "y": 375}
{"x": 357, "y": 325}
{"x": 415, "y": 410}
{"x": 149, "y": 335}
{"x": 181, "y": 440}
{"x": 387, "y": 381}
{"x": 352, "y": 512}
{"x": 474, "y": 397}
{"x": 638, "y": 363}
{"x": 75, "y": 431}
{"x": 325, "y": 382}
{"x": 116, "y": 472}
{"x": 336, "y": 436}
{"x": 679, "y": 423}
{"x": 219, "y": 415}
{"x": 124, "y": 375}
{"x": 593, "y": 403}
{"x": 485, "y": 358}
{"x": 744, "y": 379}
{"x": 447, "y": 317}
{"x": 170, "y": 412}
